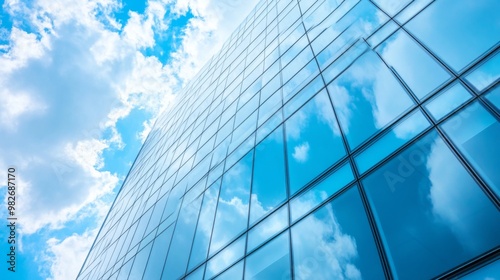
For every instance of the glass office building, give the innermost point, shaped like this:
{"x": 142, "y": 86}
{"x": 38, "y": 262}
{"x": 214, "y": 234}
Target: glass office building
{"x": 327, "y": 139}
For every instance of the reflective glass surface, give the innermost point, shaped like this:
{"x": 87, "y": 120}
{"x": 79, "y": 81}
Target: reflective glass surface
{"x": 494, "y": 98}
{"x": 232, "y": 209}
{"x": 203, "y": 233}
{"x": 392, "y": 7}
{"x": 447, "y": 100}
{"x": 269, "y": 180}
{"x": 418, "y": 201}
{"x": 488, "y": 272}
{"x": 268, "y": 227}
{"x": 161, "y": 244}
{"x": 396, "y": 137}
{"x": 311, "y": 198}
{"x": 364, "y": 97}
{"x": 235, "y": 272}
{"x": 140, "y": 263}
{"x": 225, "y": 258}
{"x": 331, "y": 139}
{"x": 272, "y": 261}
{"x": 335, "y": 242}
{"x": 475, "y": 132}
{"x": 313, "y": 141}
{"x": 182, "y": 239}
{"x": 448, "y": 26}
{"x": 486, "y": 74}
{"x": 420, "y": 72}
{"x": 196, "y": 275}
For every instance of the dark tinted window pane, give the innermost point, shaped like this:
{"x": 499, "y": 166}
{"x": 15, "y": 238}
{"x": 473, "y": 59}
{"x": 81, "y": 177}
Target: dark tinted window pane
{"x": 232, "y": 210}
{"x": 272, "y": 261}
{"x": 313, "y": 141}
{"x": 430, "y": 212}
{"x": 490, "y": 271}
{"x": 476, "y": 133}
{"x": 336, "y": 242}
{"x": 448, "y": 27}
{"x": 364, "y": 97}
{"x": 269, "y": 186}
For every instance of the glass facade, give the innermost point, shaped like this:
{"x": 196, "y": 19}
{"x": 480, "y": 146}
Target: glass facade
{"x": 328, "y": 139}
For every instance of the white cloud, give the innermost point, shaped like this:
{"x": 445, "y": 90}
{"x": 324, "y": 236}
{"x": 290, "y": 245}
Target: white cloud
{"x": 319, "y": 241}
{"x": 69, "y": 79}
{"x": 14, "y": 106}
{"x": 23, "y": 46}
{"x": 147, "y": 125}
{"x": 301, "y": 152}
{"x": 205, "y": 34}
{"x": 452, "y": 188}
{"x": 66, "y": 256}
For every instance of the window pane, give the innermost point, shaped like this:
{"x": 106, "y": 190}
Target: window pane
{"x": 418, "y": 70}
{"x": 204, "y": 228}
{"x": 158, "y": 254}
{"x": 196, "y": 275}
{"x": 384, "y": 32}
{"x": 335, "y": 242}
{"x": 391, "y": 7}
{"x": 321, "y": 192}
{"x": 271, "y": 261}
{"x": 271, "y": 225}
{"x": 270, "y": 106}
{"x": 490, "y": 271}
{"x": 413, "y": 8}
{"x": 396, "y": 137}
{"x": 494, "y": 97}
{"x": 298, "y": 100}
{"x": 226, "y": 257}
{"x": 486, "y": 74}
{"x": 235, "y": 272}
{"x": 447, "y": 100}
{"x": 269, "y": 186}
{"x": 364, "y": 97}
{"x": 232, "y": 210}
{"x": 183, "y": 237}
{"x": 269, "y": 126}
{"x": 458, "y": 31}
{"x": 431, "y": 214}
{"x": 313, "y": 141}
{"x": 476, "y": 132}
{"x": 140, "y": 262}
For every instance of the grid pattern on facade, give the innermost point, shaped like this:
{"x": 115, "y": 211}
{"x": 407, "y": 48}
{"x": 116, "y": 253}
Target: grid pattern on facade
{"x": 326, "y": 140}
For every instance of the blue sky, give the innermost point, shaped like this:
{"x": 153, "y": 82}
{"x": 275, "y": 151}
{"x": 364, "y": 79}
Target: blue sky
{"x": 81, "y": 83}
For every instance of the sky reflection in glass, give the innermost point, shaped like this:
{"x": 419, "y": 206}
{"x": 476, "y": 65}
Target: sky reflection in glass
{"x": 418, "y": 202}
